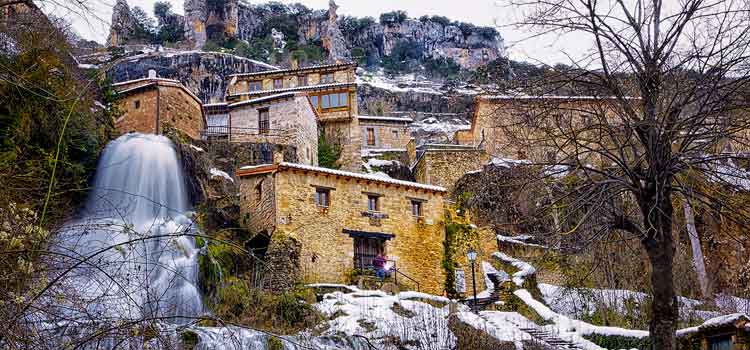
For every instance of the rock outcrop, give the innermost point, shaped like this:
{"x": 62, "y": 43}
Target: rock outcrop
{"x": 202, "y": 72}
{"x": 123, "y": 27}
{"x": 215, "y": 20}
{"x": 333, "y": 40}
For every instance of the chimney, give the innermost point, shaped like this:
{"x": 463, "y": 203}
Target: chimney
{"x": 295, "y": 64}
{"x": 151, "y": 74}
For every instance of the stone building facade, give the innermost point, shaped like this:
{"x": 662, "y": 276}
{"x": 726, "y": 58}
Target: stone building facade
{"x": 151, "y": 103}
{"x": 723, "y": 332}
{"x": 498, "y": 120}
{"x": 341, "y": 219}
{"x": 384, "y": 132}
{"x": 332, "y": 90}
{"x": 444, "y": 165}
{"x": 283, "y": 119}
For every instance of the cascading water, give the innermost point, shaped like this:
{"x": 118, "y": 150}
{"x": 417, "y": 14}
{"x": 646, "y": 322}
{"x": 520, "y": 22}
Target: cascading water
{"x": 137, "y": 233}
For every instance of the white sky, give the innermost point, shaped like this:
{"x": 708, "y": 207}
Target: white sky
{"x": 548, "y": 49}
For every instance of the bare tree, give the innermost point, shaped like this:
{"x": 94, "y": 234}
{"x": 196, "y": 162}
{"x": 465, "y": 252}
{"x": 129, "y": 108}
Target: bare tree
{"x": 668, "y": 94}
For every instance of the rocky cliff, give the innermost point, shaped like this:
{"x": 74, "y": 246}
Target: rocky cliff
{"x": 202, "y": 72}
{"x": 123, "y": 26}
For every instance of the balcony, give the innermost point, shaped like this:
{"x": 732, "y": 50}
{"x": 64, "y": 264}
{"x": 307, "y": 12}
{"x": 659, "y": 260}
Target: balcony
{"x": 236, "y": 134}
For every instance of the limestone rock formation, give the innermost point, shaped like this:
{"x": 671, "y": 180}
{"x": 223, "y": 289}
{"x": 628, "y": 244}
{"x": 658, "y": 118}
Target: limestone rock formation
{"x": 202, "y": 72}
{"x": 123, "y": 25}
{"x": 206, "y": 20}
{"x": 333, "y": 39}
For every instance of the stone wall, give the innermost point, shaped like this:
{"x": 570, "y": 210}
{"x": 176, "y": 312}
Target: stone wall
{"x": 292, "y": 122}
{"x": 140, "y": 119}
{"x": 446, "y": 167}
{"x": 291, "y": 80}
{"x": 387, "y": 134}
{"x": 182, "y": 111}
{"x": 258, "y": 203}
{"x": 345, "y": 133}
{"x": 327, "y": 253}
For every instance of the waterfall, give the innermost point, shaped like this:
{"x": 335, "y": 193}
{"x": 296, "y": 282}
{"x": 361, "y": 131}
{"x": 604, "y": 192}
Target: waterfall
{"x": 135, "y": 236}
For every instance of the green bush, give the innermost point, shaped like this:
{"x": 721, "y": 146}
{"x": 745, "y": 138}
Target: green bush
{"x": 328, "y": 154}
{"x": 403, "y": 56}
{"x": 442, "y": 67}
{"x": 619, "y": 342}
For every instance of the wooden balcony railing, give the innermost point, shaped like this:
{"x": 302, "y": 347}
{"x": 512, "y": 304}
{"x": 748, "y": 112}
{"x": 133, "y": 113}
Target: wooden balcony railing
{"x": 228, "y": 132}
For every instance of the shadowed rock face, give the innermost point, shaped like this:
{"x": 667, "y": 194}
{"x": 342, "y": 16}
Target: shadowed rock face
{"x": 202, "y": 72}
{"x": 123, "y": 24}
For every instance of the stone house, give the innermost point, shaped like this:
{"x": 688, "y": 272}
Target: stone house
{"x": 728, "y": 332}
{"x": 332, "y": 89}
{"x": 380, "y": 132}
{"x": 444, "y": 164}
{"x": 498, "y": 120}
{"x": 341, "y": 220}
{"x": 150, "y": 103}
{"x": 283, "y": 119}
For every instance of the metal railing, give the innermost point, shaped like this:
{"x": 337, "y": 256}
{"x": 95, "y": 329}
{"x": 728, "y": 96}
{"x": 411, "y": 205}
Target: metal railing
{"x": 228, "y": 131}
{"x": 392, "y": 271}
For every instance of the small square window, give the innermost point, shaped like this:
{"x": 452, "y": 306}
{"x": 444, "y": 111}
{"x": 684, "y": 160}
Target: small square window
{"x": 278, "y": 83}
{"x": 302, "y": 80}
{"x": 416, "y": 208}
{"x": 326, "y": 78}
{"x": 137, "y": 104}
{"x": 255, "y": 85}
{"x": 370, "y": 136}
{"x": 373, "y": 204}
{"x": 314, "y": 100}
{"x": 325, "y": 101}
{"x": 264, "y": 121}
{"x": 395, "y": 134}
{"x": 322, "y": 197}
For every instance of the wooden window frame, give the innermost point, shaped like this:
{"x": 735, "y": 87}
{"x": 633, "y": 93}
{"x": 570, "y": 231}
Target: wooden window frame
{"x": 264, "y": 126}
{"x": 302, "y": 80}
{"x": 319, "y": 103}
{"x": 370, "y": 141}
{"x": 332, "y": 79}
{"x": 280, "y": 84}
{"x": 419, "y": 206}
{"x": 137, "y": 104}
{"x": 373, "y": 199}
{"x": 254, "y": 85}
{"x": 326, "y": 202}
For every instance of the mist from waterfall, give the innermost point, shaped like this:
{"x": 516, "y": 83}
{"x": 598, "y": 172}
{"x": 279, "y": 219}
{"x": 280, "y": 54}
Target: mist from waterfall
{"x": 136, "y": 236}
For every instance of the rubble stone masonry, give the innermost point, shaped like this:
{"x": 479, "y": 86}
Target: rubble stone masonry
{"x": 446, "y": 167}
{"x": 327, "y": 253}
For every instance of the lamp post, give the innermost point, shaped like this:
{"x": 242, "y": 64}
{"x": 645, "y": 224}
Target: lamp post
{"x": 472, "y": 256}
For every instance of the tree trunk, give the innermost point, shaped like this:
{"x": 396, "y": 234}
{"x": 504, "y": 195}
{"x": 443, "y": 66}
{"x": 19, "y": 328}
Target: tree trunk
{"x": 695, "y": 244}
{"x": 659, "y": 244}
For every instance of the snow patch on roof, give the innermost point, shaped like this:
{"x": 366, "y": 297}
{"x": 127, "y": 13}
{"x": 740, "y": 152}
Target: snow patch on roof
{"x": 363, "y": 176}
{"x": 385, "y": 118}
{"x": 218, "y": 173}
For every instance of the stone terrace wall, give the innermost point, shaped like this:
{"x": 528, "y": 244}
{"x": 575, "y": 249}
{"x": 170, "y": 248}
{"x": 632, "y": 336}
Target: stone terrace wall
{"x": 446, "y": 167}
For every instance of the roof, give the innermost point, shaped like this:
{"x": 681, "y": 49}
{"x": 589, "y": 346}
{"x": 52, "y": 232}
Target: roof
{"x": 549, "y": 97}
{"x": 384, "y": 118}
{"x": 156, "y": 82}
{"x": 294, "y": 70}
{"x": 299, "y": 88}
{"x": 267, "y": 168}
{"x": 145, "y": 79}
{"x": 264, "y": 99}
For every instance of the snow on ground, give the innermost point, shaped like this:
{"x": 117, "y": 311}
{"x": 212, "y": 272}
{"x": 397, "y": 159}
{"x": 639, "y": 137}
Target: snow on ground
{"x": 433, "y": 125}
{"x": 378, "y": 163}
{"x": 379, "y": 316}
{"x": 503, "y": 326}
{"x": 524, "y": 269}
{"x": 218, "y": 173}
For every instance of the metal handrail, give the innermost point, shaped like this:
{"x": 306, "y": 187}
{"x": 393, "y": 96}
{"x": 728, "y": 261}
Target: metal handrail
{"x": 231, "y": 130}
{"x": 395, "y": 270}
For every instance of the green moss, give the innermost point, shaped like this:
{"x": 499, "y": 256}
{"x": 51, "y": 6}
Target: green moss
{"x": 274, "y": 343}
{"x": 459, "y": 235}
{"x": 189, "y": 339}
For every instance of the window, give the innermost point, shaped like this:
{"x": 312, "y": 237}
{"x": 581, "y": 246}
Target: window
{"x": 370, "y": 137}
{"x": 372, "y": 203}
{"x": 264, "y": 121}
{"x": 336, "y": 100}
{"x": 302, "y": 80}
{"x": 416, "y": 208}
{"x": 137, "y": 104}
{"x": 720, "y": 343}
{"x": 365, "y": 251}
{"x": 326, "y": 78}
{"x": 278, "y": 83}
{"x": 255, "y": 85}
{"x": 395, "y": 134}
{"x": 322, "y": 197}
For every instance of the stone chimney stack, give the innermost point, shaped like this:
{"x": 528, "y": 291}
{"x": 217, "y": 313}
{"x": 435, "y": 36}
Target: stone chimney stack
{"x": 151, "y": 74}
{"x": 294, "y": 63}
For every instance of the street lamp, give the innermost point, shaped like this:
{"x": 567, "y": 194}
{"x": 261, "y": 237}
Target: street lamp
{"x": 472, "y": 256}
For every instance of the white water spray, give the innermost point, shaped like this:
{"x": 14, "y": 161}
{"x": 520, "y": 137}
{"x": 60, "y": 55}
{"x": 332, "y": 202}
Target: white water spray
{"x": 136, "y": 235}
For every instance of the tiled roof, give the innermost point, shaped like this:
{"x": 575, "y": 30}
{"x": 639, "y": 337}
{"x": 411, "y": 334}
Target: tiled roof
{"x": 248, "y": 170}
{"x": 263, "y": 99}
{"x": 384, "y": 118}
{"x": 163, "y": 82}
{"x": 301, "y": 69}
{"x": 298, "y": 88}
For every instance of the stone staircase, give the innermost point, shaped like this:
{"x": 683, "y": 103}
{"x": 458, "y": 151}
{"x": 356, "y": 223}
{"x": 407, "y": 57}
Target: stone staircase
{"x": 549, "y": 338}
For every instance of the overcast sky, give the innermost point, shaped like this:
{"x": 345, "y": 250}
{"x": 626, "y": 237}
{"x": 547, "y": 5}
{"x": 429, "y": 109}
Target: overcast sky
{"x": 548, "y": 49}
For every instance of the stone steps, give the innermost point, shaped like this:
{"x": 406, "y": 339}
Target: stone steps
{"x": 550, "y": 338}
